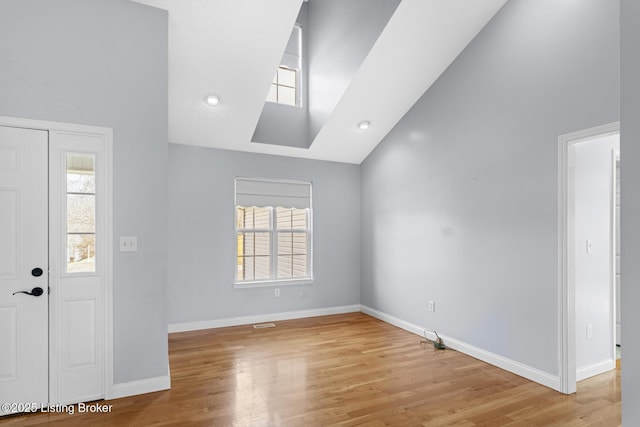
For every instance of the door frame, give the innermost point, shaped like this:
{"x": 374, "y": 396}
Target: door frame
{"x": 566, "y": 284}
{"x": 55, "y": 241}
{"x": 615, "y": 225}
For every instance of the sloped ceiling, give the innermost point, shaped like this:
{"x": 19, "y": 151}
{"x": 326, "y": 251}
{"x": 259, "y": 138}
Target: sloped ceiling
{"x": 232, "y": 48}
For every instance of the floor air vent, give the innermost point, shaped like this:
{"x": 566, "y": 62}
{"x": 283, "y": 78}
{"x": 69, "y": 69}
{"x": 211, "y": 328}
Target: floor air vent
{"x": 264, "y": 325}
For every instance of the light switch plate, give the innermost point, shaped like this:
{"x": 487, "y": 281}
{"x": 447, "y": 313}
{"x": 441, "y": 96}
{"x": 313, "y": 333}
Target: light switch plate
{"x": 128, "y": 243}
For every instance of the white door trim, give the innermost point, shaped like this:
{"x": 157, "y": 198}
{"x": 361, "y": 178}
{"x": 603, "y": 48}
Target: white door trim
{"x": 615, "y": 157}
{"x": 566, "y": 284}
{"x": 54, "y": 243}
{"x": 616, "y": 225}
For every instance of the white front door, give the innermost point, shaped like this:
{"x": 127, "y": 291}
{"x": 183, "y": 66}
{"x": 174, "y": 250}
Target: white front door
{"x": 55, "y": 263}
{"x": 24, "y": 275}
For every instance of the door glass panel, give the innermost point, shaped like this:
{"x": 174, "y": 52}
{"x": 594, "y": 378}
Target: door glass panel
{"x": 81, "y": 253}
{"x": 81, "y": 213}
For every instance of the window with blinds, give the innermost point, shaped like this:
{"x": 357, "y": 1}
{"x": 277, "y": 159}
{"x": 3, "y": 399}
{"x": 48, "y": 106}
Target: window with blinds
{"x": 273, "y": 231}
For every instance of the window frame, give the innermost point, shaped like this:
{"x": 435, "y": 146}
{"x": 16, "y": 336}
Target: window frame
{"x": 296, "y": 88}
{"x": 269, "y": 231}
{"x": 273, "y": 280}
{"x": 64, "y": 271}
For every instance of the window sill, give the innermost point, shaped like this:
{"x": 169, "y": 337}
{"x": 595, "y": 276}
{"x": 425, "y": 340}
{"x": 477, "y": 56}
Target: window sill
{"x": 272, "y": 283}
{"x": 298, "y": 106}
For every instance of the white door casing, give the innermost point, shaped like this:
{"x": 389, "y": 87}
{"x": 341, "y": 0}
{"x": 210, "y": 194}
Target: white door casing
{"x": 23, "y": 247}
{"x": 79, "y": 363}
{"x": 616, "y": 215}
{"x": 566, "y": 262}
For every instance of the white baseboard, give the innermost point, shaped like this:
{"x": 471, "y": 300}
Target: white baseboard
{"x": 595, "y": 369}
{"x": 148, "y": 385}
{"x": 402, "y": 324}
{"x": 261, "y": 318}
{"x": 533, "y": 374}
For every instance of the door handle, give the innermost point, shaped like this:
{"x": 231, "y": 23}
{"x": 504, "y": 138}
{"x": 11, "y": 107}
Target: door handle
{"x": 36, "y": 292}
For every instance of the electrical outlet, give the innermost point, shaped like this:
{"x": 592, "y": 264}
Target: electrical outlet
{"x": 432, "y": 306}
{"x": 589, "y": 246}
{"x": 589, "y": 331}
{"x": 276, "y": 292}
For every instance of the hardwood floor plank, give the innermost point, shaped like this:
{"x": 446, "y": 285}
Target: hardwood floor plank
{"x": 344, "y": 370}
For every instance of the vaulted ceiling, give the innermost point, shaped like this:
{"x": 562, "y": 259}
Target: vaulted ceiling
{"x": 233, "y": 47}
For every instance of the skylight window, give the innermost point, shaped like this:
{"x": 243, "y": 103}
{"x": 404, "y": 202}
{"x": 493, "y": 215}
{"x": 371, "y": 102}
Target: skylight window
{"x": 285, "y": 88}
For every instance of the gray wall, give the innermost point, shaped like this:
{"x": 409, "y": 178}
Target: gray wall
{"x": 104, "y": 63}
{"x": 630, "y": 208}
{"x": 283, "y": 125}
{"x": 460, "y": 201}
{"x": 341, "y": 34}
{"x": 201, "y": 234}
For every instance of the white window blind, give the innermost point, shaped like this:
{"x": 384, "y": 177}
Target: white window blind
{"x": 284, "y": 194}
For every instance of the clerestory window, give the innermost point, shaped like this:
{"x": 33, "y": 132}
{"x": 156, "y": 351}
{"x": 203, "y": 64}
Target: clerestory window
{"x": 285, "y": 87}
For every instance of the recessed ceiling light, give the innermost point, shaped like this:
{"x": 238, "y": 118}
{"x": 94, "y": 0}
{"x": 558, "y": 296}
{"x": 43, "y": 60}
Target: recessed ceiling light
{"x": 212, "y": 100}
{"x": 364, "y": 125}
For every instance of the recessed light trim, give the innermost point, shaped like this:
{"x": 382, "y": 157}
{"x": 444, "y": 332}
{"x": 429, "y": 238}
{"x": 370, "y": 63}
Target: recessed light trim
{"x": 364, "y": 125}
{"x": 212, "y": 99}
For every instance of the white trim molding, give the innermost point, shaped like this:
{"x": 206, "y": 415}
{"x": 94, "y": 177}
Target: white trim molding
{"x": 501, "y": 362}
{"x": 148, "y": 385}
{"x": 595, "y": 369}
{"x": 261, "y": 318}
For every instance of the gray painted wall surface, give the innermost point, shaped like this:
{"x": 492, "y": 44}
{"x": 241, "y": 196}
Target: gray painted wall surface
{"x": 630, "y": 208}
{"x": 460, "y": 201}
{"x": 104, "y": 63}
{"x": 283, "y": 125}
{"x": 341, "y": 34}
{"x": 201, "y": 234}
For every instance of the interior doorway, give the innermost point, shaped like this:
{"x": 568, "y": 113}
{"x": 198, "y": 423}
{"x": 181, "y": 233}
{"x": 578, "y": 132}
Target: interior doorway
{"x": 587, "y": 241}
{"x": 55, "y": 267}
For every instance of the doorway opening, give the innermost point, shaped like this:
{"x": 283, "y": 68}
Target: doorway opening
{"x": 588, "y": 253}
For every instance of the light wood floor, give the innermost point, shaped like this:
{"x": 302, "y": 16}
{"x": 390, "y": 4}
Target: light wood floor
{"x": 348, "y": 370}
